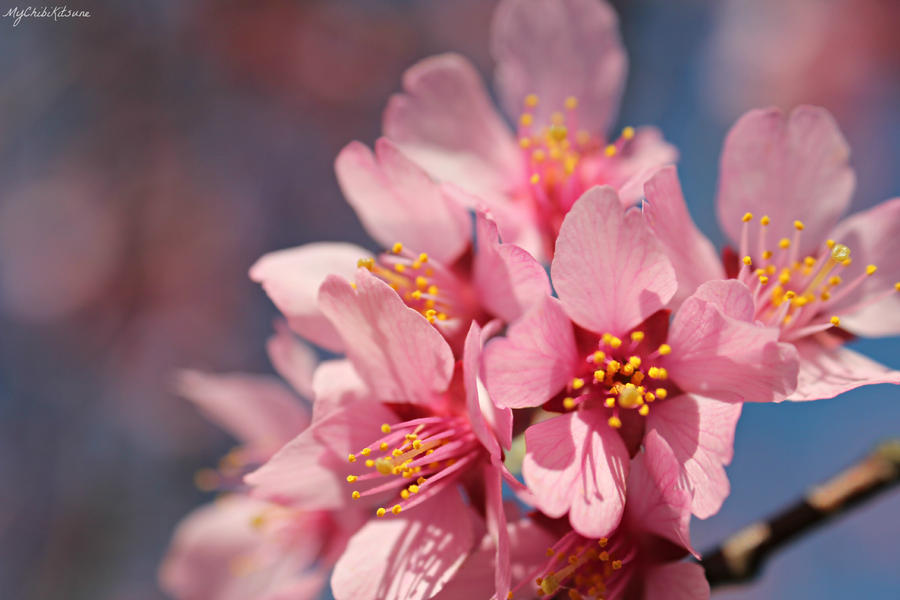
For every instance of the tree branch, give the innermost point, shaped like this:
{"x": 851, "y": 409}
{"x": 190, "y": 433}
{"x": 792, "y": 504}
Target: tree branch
{"x": 740, "y": 558}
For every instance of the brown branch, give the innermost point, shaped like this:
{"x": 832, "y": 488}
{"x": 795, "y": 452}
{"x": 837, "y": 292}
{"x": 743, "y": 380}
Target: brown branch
{"x": 740, "y": 558}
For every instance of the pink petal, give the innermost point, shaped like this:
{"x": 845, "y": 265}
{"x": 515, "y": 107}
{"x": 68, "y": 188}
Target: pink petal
{"x": 292, "y": 278}
{"x": 256, "y": 409}
{"x": 410, "y": 556}
{"x": 608, "y": 270}
{"x": 535, "y": 360}
{"x": 826, "y": 373}
{"x": 787, "y": 167}
{"x": 676, "y": 581}
{"x": 335, "y": 384}
{"x": 395, "y": 350}
{"x": 657, "y": 502}
{"x": 471, "y": 365}
{"x": 716, "y": 354}
{"x": 398, "y": 202}
{"x": 643, "y": 156}
{"x": 495, "y": 517}
{"x": 508, "y": 279}
{"x": 700, "y": 432}
{"x": 216, "y": 552}
{"x": 577, "y": 463}
{"x": 873, "y": 237}
{"x": 293, "y": 360}
{"x": 691, "y": 253}
{"x": 557, "y": 49}
{"x": 446, "y": 123}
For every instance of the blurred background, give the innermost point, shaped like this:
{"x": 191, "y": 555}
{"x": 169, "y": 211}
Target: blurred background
{"x": 150, "y": 153}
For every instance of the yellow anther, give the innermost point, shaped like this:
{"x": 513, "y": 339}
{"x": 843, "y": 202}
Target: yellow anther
{"x": 637, "y": 378}
{"x": 767, "y": 254}
{"x": 399, "y": 267}
{"x": 613, "y": 366}
{"x": 637, "y": 336}
{"x": 609, "y": 402}
{"x": 577, "y": 383}
{"x": 414, "y": 488}
{"x": 550, "y": 552}
{"x": 809, "y": 261}
{"x": 538, "y": 155}
{"x": 509, "y": 595}
{"x": 370, "y": 463}
{"x": 897, "y": 286}
{"x": 627, "y": 370}
{"x": 416, "y": 265}
{"x": 664, "y": 349}
{"x": 420, "y": 480}
{"x": 366, "y": 451}
{"x": 644, "y": 410}
{"x": 351, "y": 458}
{"x": 610, "y": 150}
{"x": 617, "y": 564}
{"x": 663, "y": 374}
{"x": 784, "y": 277}
{"x": 635, "y": 361}
{"x": 784, "y": 243}
{"x": 569, "y": 403}
{"x": 558, "y": 132}
{"x": 747, "y": 217}
{"x": 423, "y": 257}
{"x": 628, "y": 133}
{"x": 397, "y": 248}
{"x": 549, "y": 584}
{"x": 871, "y": 269}
{"x": 835, "y": 321}
{"x": 790, "y": 295}
{"x": 649, "y": 397}
{"x": 404, "y": 494}
{"x": 416, "y": 295}
{"x": 747, "y": 260}
{"x": 653, "y": 372}
{"x": 526, "y": 119}
{"x": 351, "y": 478}
{"x": 531, "y": 100}
{"x": 615, "y": 422}
{"x": 396, "y": 452}
{"x": 798, "y": 225}
{"x": 535, "y": 179}
{"x": 430, "y": 315}
{"x": 840, "y": 253}
{"x": 599, "y": 356}
{"x": 571, "y": 103}
{"x": 763, "y": 279}
{"x": 630, "y": 397}
{"x": 380, "y": 512}
{"x": 442, "y": 316}
{"x": 825, "y": 296}
{"x": 366, "y": 263}
{"x": 599, "y": 374}
{"x": 524, "y": 143}
{"x": 383, "y": 446}
{"x": 615, "y": 342}
{"x": 765, "y": 220}
{"x": 355, "y": 495}
{"x": 433, "y": 289}
{"x": 661, "y": 393}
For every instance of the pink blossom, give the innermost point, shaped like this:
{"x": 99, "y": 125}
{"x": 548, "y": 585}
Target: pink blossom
{"x": 240, "y": 547}
{"x": 406, "y": 436}
{"x": 621, "y": 369}
{"x": 430, "y": 260}
{"x": 560, "y": 73}
{"x": 784, "y": 184}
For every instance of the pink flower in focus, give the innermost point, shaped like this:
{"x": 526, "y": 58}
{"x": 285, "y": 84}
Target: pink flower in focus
{"x": 240, "y": 547}
{"x": 430, "y": 259}
{"x": 784, "y": 184}
{"x": 621, "y": 370}
{"x": 560, "y": 73}
{"x": 413, "y": 431}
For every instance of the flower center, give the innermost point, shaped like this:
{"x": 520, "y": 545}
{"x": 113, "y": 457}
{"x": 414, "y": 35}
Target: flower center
{"x": 586, "y": 568}
{"x": 622, "y": 376}
{"x": 420, "y": 457}
{"x": 800, "y": 295}
{"x": 424, "y": 285}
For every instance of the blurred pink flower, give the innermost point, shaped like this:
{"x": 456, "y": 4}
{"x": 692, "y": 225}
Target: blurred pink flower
{"x": 621, "y": 370}
{"x": 431, "y": 262}
{"x": 813, "y": 277}
{"x": 240, "y": 547}
{"x": 406, "y": 426}
{"x": 560, "y": 74}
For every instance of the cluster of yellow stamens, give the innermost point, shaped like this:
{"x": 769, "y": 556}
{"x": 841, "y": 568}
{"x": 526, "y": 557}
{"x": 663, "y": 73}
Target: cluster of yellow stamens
{"x": 620, "y": 377}
{"x": 410, "y": 459}
{"x": 582, "y": 567}
{"x": 414, "y": 278}
{"x": 794, "y": 292}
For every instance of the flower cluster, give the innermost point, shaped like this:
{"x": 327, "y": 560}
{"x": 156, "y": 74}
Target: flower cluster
{"x": 602, "y": 395}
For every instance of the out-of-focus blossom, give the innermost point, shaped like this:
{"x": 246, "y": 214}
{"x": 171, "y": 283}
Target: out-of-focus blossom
{"x": 406, "y": 428}
{"x": 240, "y": 547}
{"x": 621, "y": 370}
{"x": 784, "y": 184}
{"x": 560, "y": 73}
{"x": 430, "y": 262}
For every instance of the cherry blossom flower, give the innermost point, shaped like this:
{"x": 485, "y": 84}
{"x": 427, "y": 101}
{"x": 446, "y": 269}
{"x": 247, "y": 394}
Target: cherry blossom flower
{"x": 560, "y": 73}
{"x": 430, "y": 260}
{"x": 409, "y": 432}
{"x": 621, "y": 370}
{"x": 784, "y": 184}
{"x": 240, "y": 547}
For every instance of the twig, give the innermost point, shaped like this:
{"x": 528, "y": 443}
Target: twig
{"x": 740, "y": 558}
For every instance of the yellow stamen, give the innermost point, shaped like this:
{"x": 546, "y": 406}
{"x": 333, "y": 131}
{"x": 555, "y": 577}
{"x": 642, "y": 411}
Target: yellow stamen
{"x": 531, "y": 100}
{"x": 615, "y": 422}
{"x": 835, "y": 321}
{"x": 747, "y": 217}
{"x": 571, "y": 103}
{"x": 628, "y": 133}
